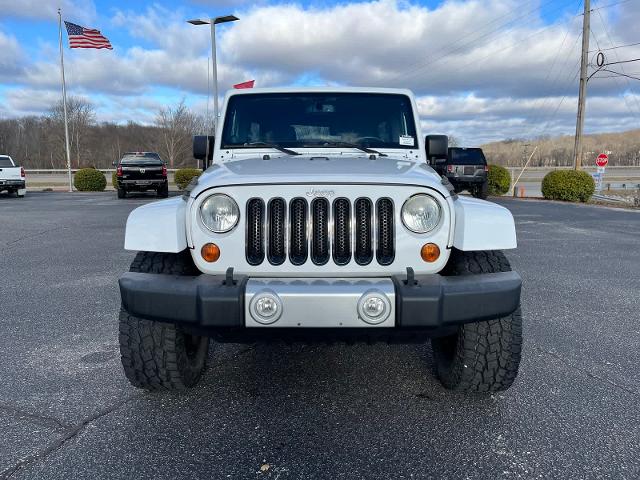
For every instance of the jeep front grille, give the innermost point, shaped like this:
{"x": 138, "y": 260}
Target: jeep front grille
{"x": 320, "y": 231}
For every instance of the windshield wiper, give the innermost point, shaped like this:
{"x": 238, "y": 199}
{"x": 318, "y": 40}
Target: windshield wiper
{"x": 274, "y": 146}
{"x": 356, "y": 146}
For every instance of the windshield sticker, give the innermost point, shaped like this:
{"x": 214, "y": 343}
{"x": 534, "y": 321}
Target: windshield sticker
{"x": 407, "y": 140}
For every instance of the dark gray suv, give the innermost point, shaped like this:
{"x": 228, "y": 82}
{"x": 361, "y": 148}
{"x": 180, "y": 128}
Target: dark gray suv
{"x": 466, "y": 169}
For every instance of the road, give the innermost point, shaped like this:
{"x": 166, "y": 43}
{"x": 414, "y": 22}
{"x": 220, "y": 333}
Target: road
{"x": 366, "y": 411}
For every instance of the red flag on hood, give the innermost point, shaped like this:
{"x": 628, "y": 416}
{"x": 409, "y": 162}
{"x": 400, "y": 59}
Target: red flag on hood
{"x": 248, "y": 84}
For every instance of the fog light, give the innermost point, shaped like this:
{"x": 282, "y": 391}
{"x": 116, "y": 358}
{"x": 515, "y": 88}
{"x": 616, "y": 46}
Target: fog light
{"x": 210, "y": 252}
{"x": 430, "y": 252}
{"x": 265, "y": 307}
{"x": 374, "y": 307}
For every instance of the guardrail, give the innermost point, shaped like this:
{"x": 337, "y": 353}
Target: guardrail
{"x": 45, "y": 171}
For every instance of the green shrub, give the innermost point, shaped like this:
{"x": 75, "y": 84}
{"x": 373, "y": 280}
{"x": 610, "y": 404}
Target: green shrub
{"x": 89, "y": 180}
{"x": 568, "y": 185}
{"x": 184, "y": 176}
{"x": 114, "y": 180}
{"x": 498, "y": 179}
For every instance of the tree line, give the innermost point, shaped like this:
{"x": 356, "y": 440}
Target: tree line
{"x": 38, "y": 142}
{"x": 623, "y": 150}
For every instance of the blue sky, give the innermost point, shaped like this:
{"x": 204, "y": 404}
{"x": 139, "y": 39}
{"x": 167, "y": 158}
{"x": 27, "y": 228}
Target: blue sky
{"x": 482, "y": 70}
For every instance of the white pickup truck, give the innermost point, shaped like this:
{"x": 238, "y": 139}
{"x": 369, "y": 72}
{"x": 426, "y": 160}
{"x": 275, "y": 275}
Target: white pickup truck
{"x": 321, "y": 218}
{"x": 12, "y": 178}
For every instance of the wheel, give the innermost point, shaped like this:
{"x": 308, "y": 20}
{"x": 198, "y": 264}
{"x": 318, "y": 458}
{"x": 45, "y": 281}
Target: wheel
{"x": 482, "y": 356}
{"x": 481, "y": 191}
{"x": 122, "y": 193}
{"x": 157, "y": 355}
{"x": 163, "y": 191}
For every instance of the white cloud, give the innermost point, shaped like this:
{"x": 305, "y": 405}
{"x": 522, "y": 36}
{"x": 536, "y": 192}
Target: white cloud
{"x": 79, "y": 10}
{"x": 481, "y": 69}
{"x": 11, "y": 57}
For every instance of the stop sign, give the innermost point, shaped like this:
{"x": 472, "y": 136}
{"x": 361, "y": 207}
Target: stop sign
{"x": 602, "y": 160}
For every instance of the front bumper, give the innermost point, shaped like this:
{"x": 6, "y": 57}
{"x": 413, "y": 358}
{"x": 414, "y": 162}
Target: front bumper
{"x": 427, "y": 302}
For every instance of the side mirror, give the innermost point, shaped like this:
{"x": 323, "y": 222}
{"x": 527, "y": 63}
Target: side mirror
{"x": 114, "y": 163}
{"x": 203, "y": 148}
{"x": 437, "y": 146}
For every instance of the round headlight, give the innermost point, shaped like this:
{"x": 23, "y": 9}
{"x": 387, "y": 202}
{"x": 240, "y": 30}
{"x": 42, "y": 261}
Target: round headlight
{"x": 421, "y": 213}
{"x": 219, "y": 213}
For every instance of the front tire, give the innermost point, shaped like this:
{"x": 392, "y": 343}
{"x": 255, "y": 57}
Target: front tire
{"x": 157, "y": 355}
{"x": 482, "y": 356}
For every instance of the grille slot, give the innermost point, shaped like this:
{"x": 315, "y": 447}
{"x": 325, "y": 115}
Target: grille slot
{"x": 363, "y": 251}
{"x": 385, "y": 252}
{"x": 298, "y": 250}
{"x": 341, "y": 231}
{"x": 276, "y": 214}
{"x": 320, "y": 231}
{"x": 255, "y": 231}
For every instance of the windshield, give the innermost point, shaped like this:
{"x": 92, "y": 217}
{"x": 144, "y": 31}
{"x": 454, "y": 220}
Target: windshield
{"x": 147, "y": 158}
{"x": 5, "y": 162}
{"x": 319, "y": 119}
{"x": 466, "y": 156}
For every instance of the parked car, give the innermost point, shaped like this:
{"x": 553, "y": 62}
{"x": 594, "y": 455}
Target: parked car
{"x": 320, "y": 219}
{"x": 12, "y": 177}
{"x": 141, "y": 172}
{"x": 466, "y": 169}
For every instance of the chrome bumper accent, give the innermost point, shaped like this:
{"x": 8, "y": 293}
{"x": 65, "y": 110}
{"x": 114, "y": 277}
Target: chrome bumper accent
{"x": 314, "y": 303}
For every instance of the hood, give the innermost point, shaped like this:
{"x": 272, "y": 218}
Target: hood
{"x": 319, "y": 170}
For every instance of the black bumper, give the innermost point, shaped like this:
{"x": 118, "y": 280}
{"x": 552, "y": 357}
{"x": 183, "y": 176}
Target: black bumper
{"x": 424, "y": 302}
{"x": 12, "y": 184}
{"x": 467, "y": 180}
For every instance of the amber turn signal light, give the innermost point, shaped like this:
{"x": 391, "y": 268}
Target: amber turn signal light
{"x": 430, "y": 252}
{"x": 210, "y": 252}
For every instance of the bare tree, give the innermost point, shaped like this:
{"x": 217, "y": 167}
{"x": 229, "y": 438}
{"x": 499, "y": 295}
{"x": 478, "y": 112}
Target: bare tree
{"x": 177, "y": 124}
{"x": 81, "y": 116}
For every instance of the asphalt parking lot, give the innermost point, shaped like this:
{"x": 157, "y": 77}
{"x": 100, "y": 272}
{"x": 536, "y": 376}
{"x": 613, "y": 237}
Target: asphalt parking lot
{"x": 365, "y": 411}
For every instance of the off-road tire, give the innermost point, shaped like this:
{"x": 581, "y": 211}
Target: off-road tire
{"x": 157, "y": 355}
{"x": 481, "y": 191}
{"x": 482, "y": 356}
{"x": 163, "y": 191}
{"x": 121, "y": 193}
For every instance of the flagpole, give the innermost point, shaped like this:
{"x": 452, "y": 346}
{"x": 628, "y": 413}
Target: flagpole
{"x": 64, "y": 102}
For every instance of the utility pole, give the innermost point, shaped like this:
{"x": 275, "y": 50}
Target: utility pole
{"x": 582, "y": 99}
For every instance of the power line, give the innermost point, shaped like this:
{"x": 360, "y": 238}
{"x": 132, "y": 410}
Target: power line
{"x": 618, "y": 74}
{"x": 419, "y": 66}
{"x": 616, "y": 47}
{"x": 606, "y": 30}
{"x": 610, "y": 5}
{"x": 621, "y": 61}
{"x": 539, "y": 116}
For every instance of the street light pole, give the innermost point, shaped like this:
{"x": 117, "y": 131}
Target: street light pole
{"x": 213, "y": 22}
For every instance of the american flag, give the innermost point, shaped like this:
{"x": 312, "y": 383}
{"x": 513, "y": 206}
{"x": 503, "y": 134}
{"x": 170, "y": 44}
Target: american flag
{"x": 81, "y": 37}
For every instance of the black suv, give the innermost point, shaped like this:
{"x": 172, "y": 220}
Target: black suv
{"x": 466, "y": 169}
{"x": 140, "y": 172}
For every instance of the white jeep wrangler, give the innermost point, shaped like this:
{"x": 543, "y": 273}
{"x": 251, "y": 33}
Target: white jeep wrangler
{"x": 320, "y": 218}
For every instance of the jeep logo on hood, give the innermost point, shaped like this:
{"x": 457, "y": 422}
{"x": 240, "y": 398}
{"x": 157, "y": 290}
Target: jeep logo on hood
{"x": 320, "y": 193}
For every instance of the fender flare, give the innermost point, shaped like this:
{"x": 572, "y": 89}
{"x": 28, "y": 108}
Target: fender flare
{"x": 157, "y": 227}
{"x": 481, "y": 225}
